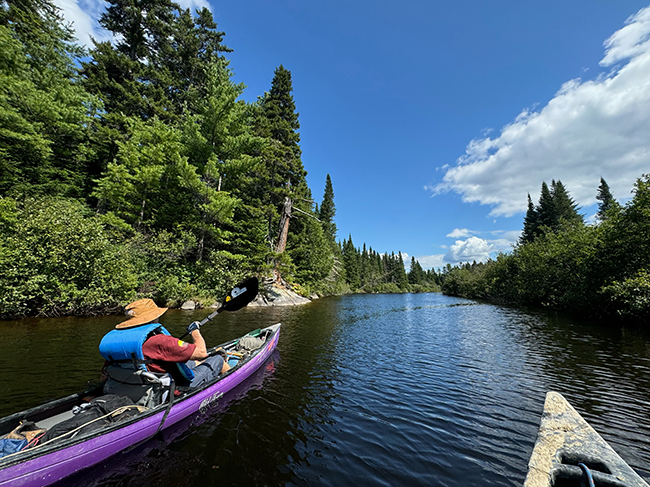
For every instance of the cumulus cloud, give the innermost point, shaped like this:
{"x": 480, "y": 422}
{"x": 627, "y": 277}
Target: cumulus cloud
{"x": 431, "y": 261}
{"x": 590, "y": 129}
{"x": 84, "y": 16}
{"x": 474, "y": 248}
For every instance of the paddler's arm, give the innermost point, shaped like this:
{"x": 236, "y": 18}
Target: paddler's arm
{"x": 200, "y": 350}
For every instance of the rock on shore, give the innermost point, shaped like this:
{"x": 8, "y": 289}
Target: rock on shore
{"x": 274, "y": 294}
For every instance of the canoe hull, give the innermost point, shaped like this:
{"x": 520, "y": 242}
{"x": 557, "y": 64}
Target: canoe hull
{"x": 73, "y": 455}
{"x": 564, "y": 440}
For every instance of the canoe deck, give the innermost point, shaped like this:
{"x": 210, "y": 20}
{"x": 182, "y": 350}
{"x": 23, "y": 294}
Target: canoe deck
{"x": 566, "y": 439}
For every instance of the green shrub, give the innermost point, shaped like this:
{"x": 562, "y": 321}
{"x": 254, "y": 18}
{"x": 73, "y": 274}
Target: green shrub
{"x": 55, "y": 259}
{"x": 631, "y": 297}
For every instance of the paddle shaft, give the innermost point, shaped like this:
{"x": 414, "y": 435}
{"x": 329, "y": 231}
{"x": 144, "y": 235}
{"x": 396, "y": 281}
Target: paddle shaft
{"x": 238, "y": 297}
{"x": 205, "y": 320}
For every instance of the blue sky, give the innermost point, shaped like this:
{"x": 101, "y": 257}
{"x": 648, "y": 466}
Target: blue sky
{"x": 435, "y": 119}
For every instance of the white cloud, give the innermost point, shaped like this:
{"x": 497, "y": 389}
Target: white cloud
{"x": 474, "y": 248}
{"x": 590, "y": 129}
{"x": 431, "y": 261}
{"x": 459, "y": 233}
{"x": 504, "y": 240}
{"x": 630, "y": 41}
{"x": 84, "y": 16}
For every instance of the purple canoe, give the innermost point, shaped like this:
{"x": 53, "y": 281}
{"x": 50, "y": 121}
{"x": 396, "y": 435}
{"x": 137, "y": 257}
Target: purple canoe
{"x": 45, "y": 464}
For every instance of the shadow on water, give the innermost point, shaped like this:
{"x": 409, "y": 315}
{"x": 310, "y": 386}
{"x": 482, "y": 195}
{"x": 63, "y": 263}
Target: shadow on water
{"x": 365, "y": 389}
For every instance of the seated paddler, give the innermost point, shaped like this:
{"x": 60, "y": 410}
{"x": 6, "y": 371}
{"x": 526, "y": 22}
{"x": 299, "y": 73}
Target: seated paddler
{"x": 140, "y": 352}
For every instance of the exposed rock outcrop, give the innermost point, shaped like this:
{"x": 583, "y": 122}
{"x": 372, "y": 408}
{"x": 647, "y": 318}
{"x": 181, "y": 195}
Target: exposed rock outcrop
{"x": 189, "y": 305}
{"x": 277, "y": 294}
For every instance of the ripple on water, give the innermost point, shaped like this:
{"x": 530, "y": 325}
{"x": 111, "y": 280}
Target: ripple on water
{"x": 372, "y": 390}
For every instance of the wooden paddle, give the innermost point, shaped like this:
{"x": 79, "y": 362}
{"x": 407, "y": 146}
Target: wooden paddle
{"x": 239, "y": 296}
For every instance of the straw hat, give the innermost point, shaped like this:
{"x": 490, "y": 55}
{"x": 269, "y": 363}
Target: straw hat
{"x": 140, "y": 312}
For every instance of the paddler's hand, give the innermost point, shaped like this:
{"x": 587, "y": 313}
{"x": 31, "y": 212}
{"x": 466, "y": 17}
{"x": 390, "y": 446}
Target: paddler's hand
{"x": 194, "y": 326}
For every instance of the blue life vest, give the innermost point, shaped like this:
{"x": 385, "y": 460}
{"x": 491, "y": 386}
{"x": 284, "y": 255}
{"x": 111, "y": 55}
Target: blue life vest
{"x": 124, "y": 348}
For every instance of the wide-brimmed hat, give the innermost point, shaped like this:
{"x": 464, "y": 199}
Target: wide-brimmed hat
{"x": 140, "y": 312}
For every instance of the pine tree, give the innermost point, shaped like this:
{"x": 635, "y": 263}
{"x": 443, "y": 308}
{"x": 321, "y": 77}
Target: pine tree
{"x": 401, "y": 278}
{"x": 607, "y": 202}
{"x": 45, "y": 114}
{"x": 531, "y": 227}
{"x": 159, "y": 67}
{"x": 328, "y": 210}
{"x": 280, "y": 121}
{"x": 281, "y": 173}
{"x": 565, "y": 209}
{"x": 545, "y": 209}
{"x": 416, "y": 274}
{"x": 555, "y": 209}
{"x": 351, "y": 263}
{"x": 280, "y": 177}
{"x": 310, "y": 252}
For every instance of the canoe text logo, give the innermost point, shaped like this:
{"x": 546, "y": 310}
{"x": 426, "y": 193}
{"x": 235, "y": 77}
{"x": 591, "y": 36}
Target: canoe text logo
{"x": 208, "y": 402}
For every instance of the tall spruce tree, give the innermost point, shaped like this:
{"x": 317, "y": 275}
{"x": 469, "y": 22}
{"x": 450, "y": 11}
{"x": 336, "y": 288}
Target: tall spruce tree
{"x": 565, "y": 209}
{"x": 531, "y": 225}
{"x": 351, "y": 263}
{"x": 607, "y": 202}
{"x": 328, "y": 210}
{"x": 555, "y": 209}
{"x": 545, "y": 208}
{"x": 401, "y": 277}
{"x": 416, "y": 274}
{"x": 280, "y": 177}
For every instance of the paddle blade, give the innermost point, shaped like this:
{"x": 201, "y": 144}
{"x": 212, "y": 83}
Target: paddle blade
{"x": 241, "y": 295}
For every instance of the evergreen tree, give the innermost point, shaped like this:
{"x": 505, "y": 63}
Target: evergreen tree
{"x": 555, "y": 209}
{"x": 160, "y": 67}
{"x": 278, "y": 122}
{"x": 416, "y": 274}
{"x": 182, "y": 63}
{"x": 280, "y": 175}
{"x": 125, "y": 75}
{"x": 328, "y": 210}
{"x": 310, "y": 252}
{"x": 351, "y": 263}
{"x": 401, "y": 277}
{"x": 545, "y": 208}
{"x": 45, "y": 115}
{"x": 607, "y": 202}
{"x": 531, "y": 227}
{"x": 565, "y": 209}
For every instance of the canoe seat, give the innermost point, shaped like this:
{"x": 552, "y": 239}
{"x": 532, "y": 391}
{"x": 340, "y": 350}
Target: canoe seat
{"x": 47, "y": 423}
{"x": 143, "y": 388}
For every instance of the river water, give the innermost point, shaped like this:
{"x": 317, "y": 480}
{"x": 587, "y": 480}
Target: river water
{"x": 405, "y": 389}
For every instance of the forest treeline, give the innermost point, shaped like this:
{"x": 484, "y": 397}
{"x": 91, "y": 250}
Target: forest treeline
{"x": 134, "y": 169}
{"x": 599, "y": 270}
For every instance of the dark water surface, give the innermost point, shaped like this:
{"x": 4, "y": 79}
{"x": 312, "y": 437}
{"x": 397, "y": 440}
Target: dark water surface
{"x": 363, "y": 390}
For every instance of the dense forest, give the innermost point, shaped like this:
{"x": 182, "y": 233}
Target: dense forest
{"x": 134, "y": 169}
{"x": 597, "y": 270}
